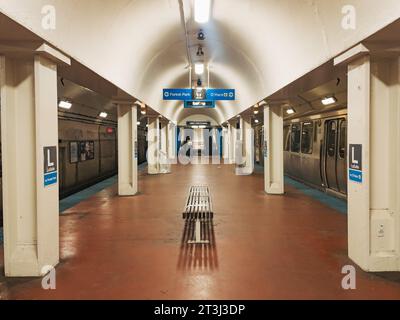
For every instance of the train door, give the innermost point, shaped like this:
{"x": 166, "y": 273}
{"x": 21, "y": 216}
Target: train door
{"x": 342, "y": 157}
{"x": 334, "y": 155}
{"x": 61, "y": 166}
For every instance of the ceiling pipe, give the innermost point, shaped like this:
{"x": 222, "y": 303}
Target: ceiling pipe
{"x": 183, "y": 21}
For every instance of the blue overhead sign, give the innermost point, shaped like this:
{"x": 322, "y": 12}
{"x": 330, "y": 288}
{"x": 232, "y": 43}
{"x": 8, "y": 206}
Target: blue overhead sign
{"x": 210, "y": 94}
{"x": 177, "y": 94}
{"x": 221, "y": 94}
{"x": 200, "y": 104}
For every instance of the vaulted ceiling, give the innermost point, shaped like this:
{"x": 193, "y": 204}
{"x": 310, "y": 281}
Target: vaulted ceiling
{"x": 254, "y": 46}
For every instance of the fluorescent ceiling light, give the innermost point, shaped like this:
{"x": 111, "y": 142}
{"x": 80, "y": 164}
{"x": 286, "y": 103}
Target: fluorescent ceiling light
{"x": 202, "y": 127}
{"x": 103, "y": 115}
{"x": 202, "y": 10}
{"x": 256, "y": 121}
{"x": 65, "y": 104}
{"x": 199, "y": 68}
{"x": 328, "y": 100}
{"x": 256, "y": 111}
{"x": 143, "y": 112}
{"x": 290, "y": 111}
{"x": 138, "y": 123}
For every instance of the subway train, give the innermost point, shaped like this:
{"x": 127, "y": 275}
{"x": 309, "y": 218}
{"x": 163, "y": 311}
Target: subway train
{"x": 315, "y": 151}
{"x": 87, "y": 153}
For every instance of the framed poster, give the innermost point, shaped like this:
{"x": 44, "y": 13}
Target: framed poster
{"x": 86, "y": 150}
{"x": 73, "y": 152}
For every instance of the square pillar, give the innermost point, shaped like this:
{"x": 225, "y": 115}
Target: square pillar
{"x": 245, "y": 147}
{"x": 232, "y": 142}
{"x": 172, "y": 132}
{"x": 273, "y": 150}
{"x": 154, "y": 141}
{"x": 374, "y": 174}
{"x": 29, "y": 134}
{"x": 165, "y": 166}
{"x": 127, "y": 150}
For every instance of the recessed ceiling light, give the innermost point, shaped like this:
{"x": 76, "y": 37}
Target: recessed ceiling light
{"x": 138, "y": 123}
{"x": 199, "y": 68}
{"x": 328, "y": 101}
{"x": 143, "y": 112}
{"x": 290, "y": 111}
{"x": 103, "y": 115}
{"x": 256, "y": 111}
{"x": 65, "y": 104}
{"x": 256, "y": 121}
{"x": 202, "y": 10}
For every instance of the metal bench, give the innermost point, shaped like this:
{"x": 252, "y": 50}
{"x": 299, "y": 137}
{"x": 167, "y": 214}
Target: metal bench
{"x": 198, "y": 209}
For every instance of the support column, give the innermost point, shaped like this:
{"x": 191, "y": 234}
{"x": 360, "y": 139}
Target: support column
{"x": 273, "y": 150}
{"x": 29, "y": 135}
{"x": 165, "y": 166}
{"x": 153, "y": 137}
{"x": 127, "y": 150}
{"x": 232, "y": 142}
{"x": 225, "y": 144}
{"x": 172, "y": 143}
{"x": 245, "y": 154}
{"x": 374, "y": 174}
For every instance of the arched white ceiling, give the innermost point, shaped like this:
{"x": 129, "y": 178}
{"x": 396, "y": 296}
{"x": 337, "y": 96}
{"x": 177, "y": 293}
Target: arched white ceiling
{"x": 254, "y": 46}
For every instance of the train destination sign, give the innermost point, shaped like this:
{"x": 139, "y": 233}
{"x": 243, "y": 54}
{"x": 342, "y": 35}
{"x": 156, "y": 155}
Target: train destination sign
{"x": 200, "y": 104}
{"x": 177, "y": 94}
{"x": 205, "y": 94}
{"x": 221, "y": 94}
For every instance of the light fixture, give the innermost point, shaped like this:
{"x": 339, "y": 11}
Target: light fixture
{"x": 290, "y": 111}
{"x": 202, "y": 10}
{"x": 103, "y": 115}
{"x": 143, "y": 112}
{"x": 256, "y": 111}
{"x": 199, "y": 68}
{"x": 138, "y": 123}
{"x": 328, "y": 100}
{"x": 200, "y": 51}
{"x": 65, "y": 104}
{"x": 256, "y": 121}
{"x": 262, "y": 103}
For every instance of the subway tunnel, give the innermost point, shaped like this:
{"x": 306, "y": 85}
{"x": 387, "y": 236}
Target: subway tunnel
{"x": 200, "y": 150}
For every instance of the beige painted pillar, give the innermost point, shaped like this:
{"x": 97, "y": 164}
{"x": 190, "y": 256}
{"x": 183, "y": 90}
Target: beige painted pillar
{"x": 232, "y": 141}
{"x": 127, "y": 149}
{"x": 273, "y": 150}
{"x": 172, "y": 143}
{"x": 165, "y": 166}
{"x": 153, "y": 152}
{"x": 225, "y": 143}
{"x": 29, "y": 134}
{"x": 374, "y": 157}
{"x": 245, "y": 154}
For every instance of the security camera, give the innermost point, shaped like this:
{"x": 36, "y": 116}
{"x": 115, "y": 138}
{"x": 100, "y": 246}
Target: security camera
{"x": 201, "y": 36}
{"x": 199, "y": 83}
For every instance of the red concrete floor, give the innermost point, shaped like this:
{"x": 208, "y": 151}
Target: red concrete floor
{"x": 266, "y": 247}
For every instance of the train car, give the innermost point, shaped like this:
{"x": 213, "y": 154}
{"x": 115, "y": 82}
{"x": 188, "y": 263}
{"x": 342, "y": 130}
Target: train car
{"x": 315, "y": 151}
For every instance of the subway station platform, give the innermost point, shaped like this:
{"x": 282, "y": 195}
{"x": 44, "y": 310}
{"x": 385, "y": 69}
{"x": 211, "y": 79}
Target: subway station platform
{"x": 265, "y": 247}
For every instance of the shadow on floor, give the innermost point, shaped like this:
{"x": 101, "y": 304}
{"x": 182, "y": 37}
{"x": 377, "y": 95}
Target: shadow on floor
{"x": 198, "y": 256}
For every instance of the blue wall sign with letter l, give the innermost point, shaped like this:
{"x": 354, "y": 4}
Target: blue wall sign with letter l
{"x": 50, "y": 166}
{"x": 177, "y": 94}
{"x": 221, "y": 94}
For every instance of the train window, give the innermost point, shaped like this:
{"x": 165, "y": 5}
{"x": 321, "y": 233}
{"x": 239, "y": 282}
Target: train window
{"x": 295, "y": 138}
{"x": 286, "y": 139}
{"x": 331, "y": 143}
{"x": 307, "y": 136}
{"x": 343, "y": 139}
